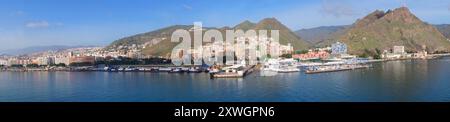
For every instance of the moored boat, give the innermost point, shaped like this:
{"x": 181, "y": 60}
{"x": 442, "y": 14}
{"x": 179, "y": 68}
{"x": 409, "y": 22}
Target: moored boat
{"x": 281, "y": 65}
{"x": 164, "y": 69}
{"x": 176, "y": 70}
{"x": 194, "y": 70}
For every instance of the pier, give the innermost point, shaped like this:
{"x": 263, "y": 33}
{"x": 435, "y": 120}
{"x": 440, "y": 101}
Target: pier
{"x": 324, "y": 69}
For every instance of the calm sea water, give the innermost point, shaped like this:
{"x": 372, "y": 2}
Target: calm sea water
{"x": 417, "y": 80}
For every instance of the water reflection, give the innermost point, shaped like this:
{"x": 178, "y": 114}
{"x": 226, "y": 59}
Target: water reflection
{"x": 417, "y": 80}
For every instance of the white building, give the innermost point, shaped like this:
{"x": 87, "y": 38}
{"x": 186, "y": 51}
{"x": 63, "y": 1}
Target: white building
{"x": 62, "y": 60}
{"x": 398, "y": 50}
{"x": 286, "y": 49}
{"x": 3, "y": 62}
{"x": 45, "y": 61}
{"x": 16, "y": 61}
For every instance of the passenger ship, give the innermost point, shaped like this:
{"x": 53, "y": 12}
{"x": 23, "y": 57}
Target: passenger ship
{"x": 281, "y": 66}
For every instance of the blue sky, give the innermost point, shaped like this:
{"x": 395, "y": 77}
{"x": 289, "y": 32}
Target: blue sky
{"x": 25, "y": 23}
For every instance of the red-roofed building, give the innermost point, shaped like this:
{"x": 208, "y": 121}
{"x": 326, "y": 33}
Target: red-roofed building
{"x": 312, "y": 55}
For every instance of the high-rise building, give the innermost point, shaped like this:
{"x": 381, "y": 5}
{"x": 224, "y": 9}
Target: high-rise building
{"x": 70, "y": 54}
{"x": 45, "y": 61}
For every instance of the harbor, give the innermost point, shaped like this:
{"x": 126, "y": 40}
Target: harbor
{"x": 384, "y": 81}
{"x": 333, "y": 58}
{"x": 281, "y": 65}
{"x": 319, "y": 60}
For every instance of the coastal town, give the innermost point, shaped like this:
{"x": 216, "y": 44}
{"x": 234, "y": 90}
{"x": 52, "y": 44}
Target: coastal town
{"x": 129, "y": 59}
{"x": 393, "y": 39}
{"x": 224, "y": 51}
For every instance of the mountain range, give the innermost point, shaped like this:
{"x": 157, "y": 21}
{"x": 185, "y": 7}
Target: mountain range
{"x": 35, "y": 49}
{"x": 444, "y": 29}
{"x": 318, "y": 35}
{"x": 158, "y": 41}
{"x": 382, "y": 30}
{"x": 379, "y": 30}
{"x": 321, "y": 34}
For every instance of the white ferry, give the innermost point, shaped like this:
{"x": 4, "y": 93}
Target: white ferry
{"x": 281, "y": 65}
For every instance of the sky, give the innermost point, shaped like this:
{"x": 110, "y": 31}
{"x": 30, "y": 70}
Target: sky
{"x": 25, "y": 23}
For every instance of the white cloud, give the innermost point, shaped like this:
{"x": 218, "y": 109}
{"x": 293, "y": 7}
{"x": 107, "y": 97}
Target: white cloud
{"x": 59, "y": 24}
{"x": 18, "y": 13}
{"x": 187, "y": 7}
{"x": 37, "y": 24}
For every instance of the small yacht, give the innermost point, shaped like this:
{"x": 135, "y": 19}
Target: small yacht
{"x": 106, "y": 69}
{"x": 213, "y": 70}
{"x": 184, "y": 69}
{"x": 120, "y": 69}
{"x": 113, "y": 70}
{"x": 176, "y": 70}
{"x": 165, "y": 69}
{"x": 130, "y": 69}
{"x": 194, "y": 70}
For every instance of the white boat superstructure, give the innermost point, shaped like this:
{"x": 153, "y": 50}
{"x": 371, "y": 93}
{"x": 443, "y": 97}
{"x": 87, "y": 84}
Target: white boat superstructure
{"x": 281, "y": 65}
{"x": 320, "y": 64}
